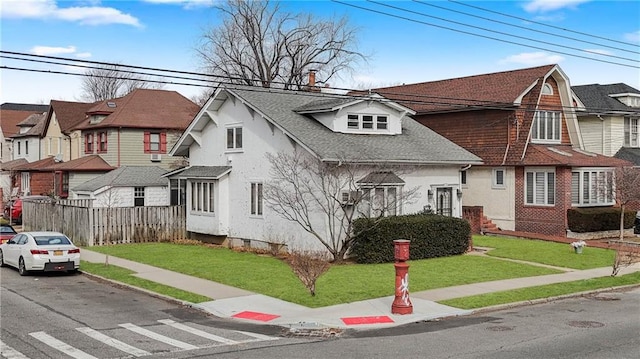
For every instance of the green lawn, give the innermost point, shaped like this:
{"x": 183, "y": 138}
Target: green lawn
{"x": 545, "y": 252}
{"x": 341, "y": 284}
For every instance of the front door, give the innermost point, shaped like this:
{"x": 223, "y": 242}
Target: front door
{"x": 444, "y": 201}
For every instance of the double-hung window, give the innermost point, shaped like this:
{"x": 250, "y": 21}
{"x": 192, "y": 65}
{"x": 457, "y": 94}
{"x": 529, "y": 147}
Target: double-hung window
{"x": 546, "y": 127}
{"x": 256, "y": 199}
{"x": 367, "y": 122}
{"x": 592, "y": 187}
{"x": 202, "y": 197}
{"x": 234, "y": 138}
{"x": 154, "y": 142}
{"x": 88, "y": 143}
{"x": 381, "y": 201}
{"x": 498, "y": 178}
{"x": 540, "y": 186}
{"x": 102, "y": 142}
{"x": 631, "y": 130}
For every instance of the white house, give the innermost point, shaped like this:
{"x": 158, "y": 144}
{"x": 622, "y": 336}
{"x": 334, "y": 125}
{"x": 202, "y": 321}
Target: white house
{"x": 229, "y": 138}
{"x": 127, "y": 186}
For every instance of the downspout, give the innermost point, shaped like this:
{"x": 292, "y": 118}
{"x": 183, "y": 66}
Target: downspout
{"x": 602, "y": 139}
{"x": 119, "y": 129}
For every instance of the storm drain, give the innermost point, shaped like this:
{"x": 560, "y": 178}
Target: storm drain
{"x": 585, "y": 324}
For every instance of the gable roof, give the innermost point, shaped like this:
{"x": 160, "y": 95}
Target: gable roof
{"x": 416, "y": 144}
{"x": 36, "y": 122}
{"x": 91, "y": 163}
{"x": 499, "y": 90}
{"x": 566, "y": 155}
{"x": 68, "y": 114}
{"x": 11, "y": 118}
{"x": 13, "y": 164}
{"x": 23, "y": 107}
{"x": 596, "y": 97}
{"x": 204, "y": 172}
{"x": 144, "y": 108}
{"x": 127, "y": 176}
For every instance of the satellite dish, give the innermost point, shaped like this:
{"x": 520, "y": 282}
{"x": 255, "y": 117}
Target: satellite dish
{"x": 58, "y": 157}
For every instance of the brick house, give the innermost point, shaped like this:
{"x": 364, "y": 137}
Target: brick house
{"x": 522, "y": 124}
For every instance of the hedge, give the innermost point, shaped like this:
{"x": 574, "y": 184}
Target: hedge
{"x": 595, "y": 219}
{"x": 431, "y": 236}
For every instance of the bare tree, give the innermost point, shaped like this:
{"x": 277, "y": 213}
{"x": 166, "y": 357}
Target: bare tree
{"x": 259, "y": 44}
{"x": 111, "y": 81}
{"x": 627, "y": 189}
{"x": 308, "y": 266}
{"x": 326, "y": 198}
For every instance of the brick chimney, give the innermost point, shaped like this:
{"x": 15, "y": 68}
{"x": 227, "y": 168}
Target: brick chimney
{"x": 312, "y": 78}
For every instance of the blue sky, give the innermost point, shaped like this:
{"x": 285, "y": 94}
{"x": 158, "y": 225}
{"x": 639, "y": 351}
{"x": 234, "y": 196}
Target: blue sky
{"x": 165, "y": 33}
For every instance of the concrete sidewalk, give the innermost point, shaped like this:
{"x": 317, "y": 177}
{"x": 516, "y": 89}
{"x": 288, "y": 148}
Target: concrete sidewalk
{"x": 231, "y": 302}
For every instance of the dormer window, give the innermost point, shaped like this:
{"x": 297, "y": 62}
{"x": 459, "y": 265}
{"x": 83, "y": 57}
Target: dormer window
{"x": 547, "y": 89}
{"x": 367, "y": 122}
{"x": 546, "y": 127}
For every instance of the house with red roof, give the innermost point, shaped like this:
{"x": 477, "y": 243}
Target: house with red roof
{"x": 523, "y": 125}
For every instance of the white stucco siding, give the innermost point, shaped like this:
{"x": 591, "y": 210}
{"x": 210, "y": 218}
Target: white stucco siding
{"x": 498, "y": 202}
{"x": 156, "y": 196}
{"x": 338, "y": 121}
{"x": 124, "y": 197}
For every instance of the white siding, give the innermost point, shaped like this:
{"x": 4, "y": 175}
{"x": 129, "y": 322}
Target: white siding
{"x": 123, "y": 197}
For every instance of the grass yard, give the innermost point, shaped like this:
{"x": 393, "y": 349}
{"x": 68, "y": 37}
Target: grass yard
{"x": 551, "y": 253}
{"x": 544, "y": 291}
{"x": 341, "y": 284}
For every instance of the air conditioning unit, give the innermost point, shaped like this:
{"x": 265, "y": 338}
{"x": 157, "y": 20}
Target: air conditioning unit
{"x": 348, "y": 198}
{"x": 156, "y": 157}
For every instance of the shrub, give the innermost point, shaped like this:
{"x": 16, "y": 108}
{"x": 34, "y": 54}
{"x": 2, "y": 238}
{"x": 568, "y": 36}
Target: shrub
{"x": 596, "y": 219}
{"x": 430, "y": 235}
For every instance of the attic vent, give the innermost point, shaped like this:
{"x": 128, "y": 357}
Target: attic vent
{"x": 111, "y": 104}
{"x": 559, "y": 152}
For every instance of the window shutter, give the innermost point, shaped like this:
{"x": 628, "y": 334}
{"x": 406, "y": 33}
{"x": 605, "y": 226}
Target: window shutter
{"x": 163, "y": 142}
{"x": 146, "y": 141}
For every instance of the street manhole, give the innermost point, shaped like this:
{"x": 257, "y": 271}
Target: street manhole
{"x": 585, "y": 324}
{"x": 500, "y": 328}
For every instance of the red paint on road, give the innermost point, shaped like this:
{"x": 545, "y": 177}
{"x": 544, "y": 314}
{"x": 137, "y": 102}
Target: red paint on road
{"x": 367, "y": 320}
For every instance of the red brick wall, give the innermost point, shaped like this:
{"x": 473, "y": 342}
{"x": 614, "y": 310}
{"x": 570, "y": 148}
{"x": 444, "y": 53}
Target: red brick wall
{"x": 41, "y": 183}
{"x": 549, "y": 220}
{"x": 473, "y": 215}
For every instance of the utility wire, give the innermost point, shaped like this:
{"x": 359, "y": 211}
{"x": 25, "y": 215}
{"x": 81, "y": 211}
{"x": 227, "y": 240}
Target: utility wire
{"x": 543, "y": 24}
{"x": 500, "y": 32}
{"x": 524, "y": 27}
{"x": 483, "y": 36}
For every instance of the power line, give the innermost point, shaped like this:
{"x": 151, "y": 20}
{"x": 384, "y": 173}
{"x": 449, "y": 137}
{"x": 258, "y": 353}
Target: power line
{"x": 542, "y": 24}
{"x": 499, "y": 32}
{"x": 525, "y": 28}
{"x": 482, "y": 36}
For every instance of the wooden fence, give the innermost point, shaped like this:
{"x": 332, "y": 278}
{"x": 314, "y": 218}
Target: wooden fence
{"x": 91, "y": 226}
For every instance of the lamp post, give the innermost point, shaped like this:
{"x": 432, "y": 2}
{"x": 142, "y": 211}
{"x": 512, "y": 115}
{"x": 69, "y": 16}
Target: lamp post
{"x": 401, "y": 303}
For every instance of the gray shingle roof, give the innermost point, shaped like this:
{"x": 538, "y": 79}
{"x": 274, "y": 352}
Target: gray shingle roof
{"x": 417, "y": 143}
{"x": 127, "y": 176}
{"x": 596, "y": 97}
{"x": 201, "y": 172}
{"x": 630, "y": 154}
{"x": 379, "y": 178}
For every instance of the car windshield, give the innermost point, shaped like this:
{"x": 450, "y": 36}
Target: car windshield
{"x": 50, "y": 241}
{"x": 5, "y": 229}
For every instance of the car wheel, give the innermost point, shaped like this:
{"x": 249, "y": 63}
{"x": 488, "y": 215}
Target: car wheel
{"x": 21, "y": 268}
{"x": 1, "y": 259}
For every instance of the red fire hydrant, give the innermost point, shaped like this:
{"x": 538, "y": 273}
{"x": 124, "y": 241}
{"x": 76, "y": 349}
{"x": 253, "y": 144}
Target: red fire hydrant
{"x": 401, "y": 303}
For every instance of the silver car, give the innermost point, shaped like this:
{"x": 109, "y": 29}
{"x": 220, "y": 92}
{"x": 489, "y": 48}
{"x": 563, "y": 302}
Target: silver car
{"x": 40, "y": 251}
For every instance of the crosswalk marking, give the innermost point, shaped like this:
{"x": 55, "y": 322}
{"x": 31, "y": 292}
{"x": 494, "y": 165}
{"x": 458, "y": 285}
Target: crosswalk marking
{"x": 256, "y": 335}
{"x": 10, "y": 353}
{"x": 197, "y": 332}
{"x": 61, "y": 346}
{"x": 113, "y": 342}
{"x": 158, "y": 337}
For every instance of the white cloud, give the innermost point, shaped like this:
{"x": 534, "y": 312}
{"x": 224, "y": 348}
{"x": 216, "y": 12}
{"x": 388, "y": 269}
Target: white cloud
{"x": 49, "y": 50}
{"x": 48, "y": 9}
{"x": 632, "y": 36}
{"x": 83, "y": 55}
{"x": 551, "y": 5}
{"x": 532, "y": 59}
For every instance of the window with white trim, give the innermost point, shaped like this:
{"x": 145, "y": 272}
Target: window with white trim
{"x": 256, "y": 199}
{"x": 547, "y": 89}
{"x": 381, "y": 201}
{"x": 497, "y": 180}
{"x": 138, "y": 196}
{"x": 234, "y": 138}
{"x": 202, "y": 197}
{"x": 367, "y": 122}
{"x": 631, "y": 130}
{"x": 546, "y": 127}
{"x": 592, "y": 187}
{"x": 540, "y": 187}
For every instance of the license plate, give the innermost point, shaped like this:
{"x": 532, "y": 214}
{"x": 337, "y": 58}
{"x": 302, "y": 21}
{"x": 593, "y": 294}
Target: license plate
{"x": 57, "y": 253}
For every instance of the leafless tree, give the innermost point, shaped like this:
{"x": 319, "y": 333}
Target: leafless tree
{"x": 627, "y": 189}
{"x": 326, "y": 198}
{"x": 308, "y": 266}
{"x": 112, "y": 81}
{"x": 258, "y": 43}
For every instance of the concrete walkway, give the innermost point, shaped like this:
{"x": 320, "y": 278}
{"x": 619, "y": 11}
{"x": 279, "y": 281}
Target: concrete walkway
{"x": 231, "y": 302}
